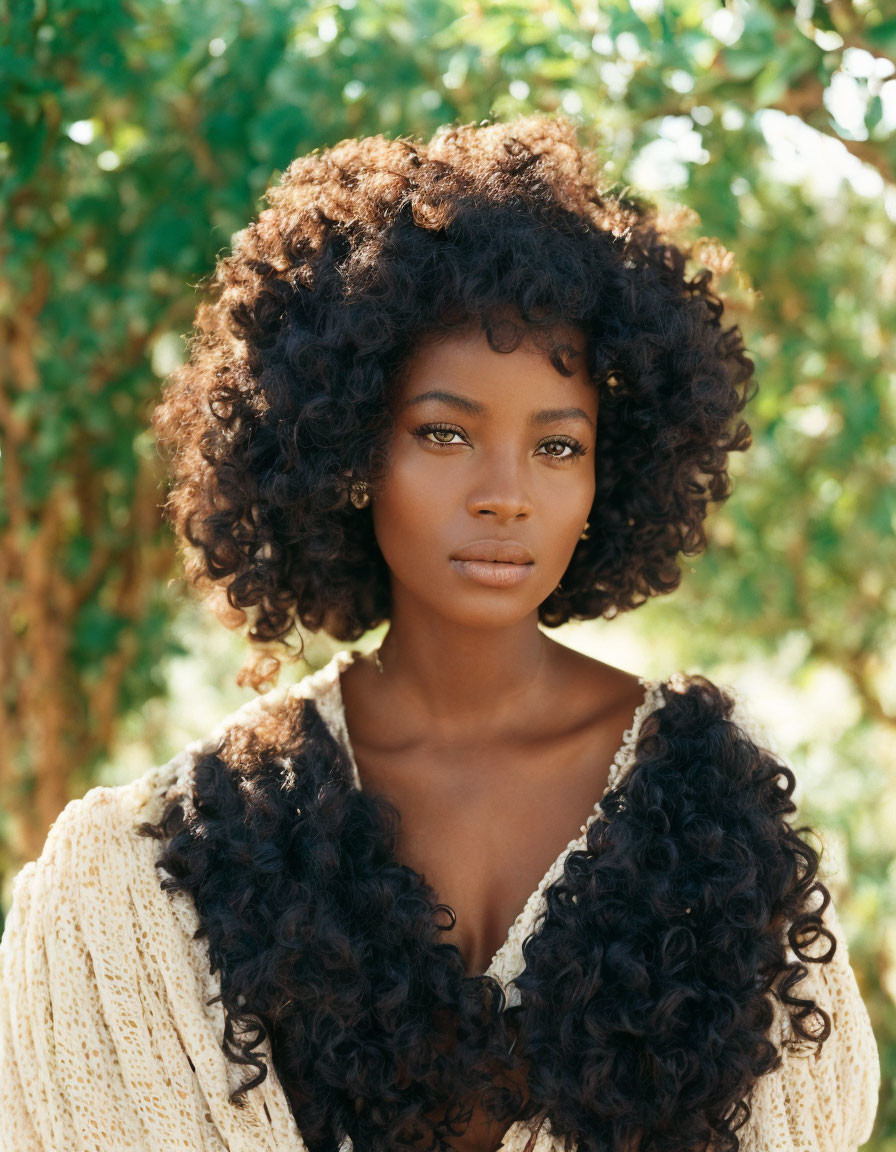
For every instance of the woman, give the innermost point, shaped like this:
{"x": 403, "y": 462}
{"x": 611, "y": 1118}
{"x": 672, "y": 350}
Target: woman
{"x": 456, "y": 387}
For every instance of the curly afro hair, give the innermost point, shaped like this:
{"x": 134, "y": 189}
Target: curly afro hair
{"x": 367, "y": 248}
{"x": 664, "y": 979}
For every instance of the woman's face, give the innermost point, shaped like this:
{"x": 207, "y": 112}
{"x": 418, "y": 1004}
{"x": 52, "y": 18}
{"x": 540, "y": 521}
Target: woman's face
{"x": 489, "y": 448}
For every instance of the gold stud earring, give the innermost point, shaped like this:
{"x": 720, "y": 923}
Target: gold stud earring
{"x": 359, "y": 494}
{"x": 584, "y": 534}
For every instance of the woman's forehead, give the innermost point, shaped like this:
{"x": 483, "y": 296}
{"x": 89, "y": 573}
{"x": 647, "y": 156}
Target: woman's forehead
{"x": 471, "y": 345}
{"x": 468, "y": 374}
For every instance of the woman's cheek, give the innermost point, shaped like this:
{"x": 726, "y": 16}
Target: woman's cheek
{"x": 410, "y": 516}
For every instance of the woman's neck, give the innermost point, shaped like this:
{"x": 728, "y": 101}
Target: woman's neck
{"x": 463, "y": 675}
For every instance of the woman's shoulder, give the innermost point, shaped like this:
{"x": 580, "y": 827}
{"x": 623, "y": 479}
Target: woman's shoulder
{"x": 88, "y": 825}
{"x": 95, "y": 879}
{"x": 267, "y": 714}
{"x": 708, "y": 695}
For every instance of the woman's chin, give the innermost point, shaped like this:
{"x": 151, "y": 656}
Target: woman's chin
{"x": 486, "y": 608}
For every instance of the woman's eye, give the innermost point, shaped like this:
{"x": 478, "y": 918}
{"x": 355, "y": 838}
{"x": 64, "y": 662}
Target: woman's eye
{"x": 439, "y": 431}
{"x": 575, "y": 449}
{"x": 446, "y": 436}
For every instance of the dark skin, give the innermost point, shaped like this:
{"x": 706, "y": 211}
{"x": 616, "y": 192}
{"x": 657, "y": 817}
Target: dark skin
{"x": 492, "y": 740}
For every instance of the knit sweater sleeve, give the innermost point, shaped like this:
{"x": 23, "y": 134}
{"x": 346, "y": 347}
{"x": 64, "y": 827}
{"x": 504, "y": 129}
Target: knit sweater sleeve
{"x": 56, "y": 1039}
{"x": 107, "y": 1040}
{"x": 824, "y": 1102}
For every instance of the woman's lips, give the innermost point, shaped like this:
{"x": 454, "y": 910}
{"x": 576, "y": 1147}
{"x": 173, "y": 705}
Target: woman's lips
{"x": 493, "y": 573}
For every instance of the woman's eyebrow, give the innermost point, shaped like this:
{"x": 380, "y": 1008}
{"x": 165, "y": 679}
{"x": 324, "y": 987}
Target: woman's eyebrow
{"x": 474, "y": 408}
{"x": 552, "y": 415}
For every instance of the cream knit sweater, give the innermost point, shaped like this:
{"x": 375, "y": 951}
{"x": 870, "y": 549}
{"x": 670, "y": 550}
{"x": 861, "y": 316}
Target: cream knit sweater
{"x": 108, "y": 1044}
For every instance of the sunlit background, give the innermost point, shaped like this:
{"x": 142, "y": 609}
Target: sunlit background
{"x": 136, "y": 139}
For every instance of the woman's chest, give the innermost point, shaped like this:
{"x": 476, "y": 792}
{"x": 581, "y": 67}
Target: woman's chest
{"x": 483, "y": 826}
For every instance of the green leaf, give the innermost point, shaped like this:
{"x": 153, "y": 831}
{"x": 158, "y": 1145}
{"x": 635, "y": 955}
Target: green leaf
{"x": 882, "y": 35}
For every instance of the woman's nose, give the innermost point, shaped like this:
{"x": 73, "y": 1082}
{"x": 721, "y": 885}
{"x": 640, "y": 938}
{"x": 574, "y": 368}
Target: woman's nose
{"x": 501, "y": 491}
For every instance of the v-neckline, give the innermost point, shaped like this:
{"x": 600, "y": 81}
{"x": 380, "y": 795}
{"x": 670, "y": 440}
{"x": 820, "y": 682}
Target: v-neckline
{"x": 501, "y": 963}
